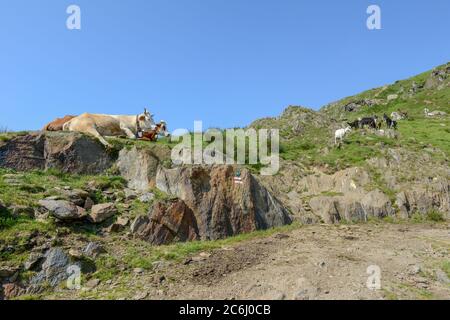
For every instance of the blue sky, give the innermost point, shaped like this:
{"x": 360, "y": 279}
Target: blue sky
{"x": 226, "y": 62}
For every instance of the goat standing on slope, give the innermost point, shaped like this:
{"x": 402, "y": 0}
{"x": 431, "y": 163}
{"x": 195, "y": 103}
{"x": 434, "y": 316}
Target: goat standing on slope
{"x": 391, "y": 124}
{"x": 339, "y": 134}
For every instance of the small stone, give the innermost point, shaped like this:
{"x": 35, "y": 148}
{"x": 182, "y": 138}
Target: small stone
{"x": 442, "y": 277}
{"x": 158, "y": 265}
{"x": 141, "y": 296}
{"x": 301, "y": 295}
{"x": 75, "y": 253}
{"x": 115, "y": 228}
{"x": 415, "y": 270}
{"x": 123, "y": 221}
{"x": 205, "y": 254}
{"x": 281, "y": 236}
{"x": 138, "y": 270}
{"x": 279, "y": 296}
{"x": 93, "y": 283}
{"x": 93, "y": 249}
{"x": 88, "y": 204}
{"x": 159, "y": 279}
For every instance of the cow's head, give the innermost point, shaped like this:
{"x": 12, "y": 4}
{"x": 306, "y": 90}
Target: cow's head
{"x": 146, "y": 120}
{"x": 163, "y": 129}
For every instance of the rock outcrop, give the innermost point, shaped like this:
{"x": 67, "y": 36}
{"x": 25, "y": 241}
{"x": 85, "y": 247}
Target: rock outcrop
{"x": 422, "y": 200}
{"x": 221, "y": 206}
{"x": 68, "y": 152}
{"x": 139, "y": 166}
{"x": 54, "y": 268}
{"x": 352, "y": 207}
{"x": 23, "y": 153}
{"x": 169, "y": 223}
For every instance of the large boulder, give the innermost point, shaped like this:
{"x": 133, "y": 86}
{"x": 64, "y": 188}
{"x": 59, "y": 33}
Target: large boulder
{"x": 169, "y": 223}
{"x": 54, "y": 268}
{"x": 139, "y": 166}
{"x": 57, "y": 266}
{"x": 75, "y": 153}
{"x": 223, "y": 207}
{"x": 68, "y": 152}
{"x": 63, "y": 210}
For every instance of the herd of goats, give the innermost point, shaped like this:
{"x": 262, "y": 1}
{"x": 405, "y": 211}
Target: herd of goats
{"x": 375, "y": 123}
{"x": 372, "y": 122}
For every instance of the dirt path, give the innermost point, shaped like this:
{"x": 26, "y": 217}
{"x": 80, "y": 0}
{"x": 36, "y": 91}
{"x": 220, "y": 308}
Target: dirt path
{"x": 312, "y": 262}
{"x": 317, "y": 262}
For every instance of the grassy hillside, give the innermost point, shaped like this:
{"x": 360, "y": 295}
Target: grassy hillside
{"x": 308, "y": 137}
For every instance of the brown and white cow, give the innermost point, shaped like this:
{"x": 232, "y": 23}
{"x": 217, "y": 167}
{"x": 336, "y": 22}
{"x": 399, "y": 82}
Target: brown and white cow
{"x": 101, "y": 125}
{"x": 152, "y": 135}
{"x": 57, "y": 124}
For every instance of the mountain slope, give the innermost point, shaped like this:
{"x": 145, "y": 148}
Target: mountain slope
{"x": 395, "y": 166}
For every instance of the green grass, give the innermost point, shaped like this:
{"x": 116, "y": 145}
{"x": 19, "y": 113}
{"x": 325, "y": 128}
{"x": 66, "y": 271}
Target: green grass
{"x": 180, "y": 250}
{"x": 17, "y": 233}
{"x": 6, "y": 136}
{"x": 36, "y": 185}
{"x": 446, "y": 268}
{"x": 435, "y": 216}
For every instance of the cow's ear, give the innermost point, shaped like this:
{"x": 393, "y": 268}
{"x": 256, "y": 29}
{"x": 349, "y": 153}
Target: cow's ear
{"x": 142, "y": 118}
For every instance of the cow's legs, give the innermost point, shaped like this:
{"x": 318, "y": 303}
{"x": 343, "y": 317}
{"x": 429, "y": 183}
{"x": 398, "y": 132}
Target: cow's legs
{"x": 128, "y": 132}
{"x": 96, "y": 134}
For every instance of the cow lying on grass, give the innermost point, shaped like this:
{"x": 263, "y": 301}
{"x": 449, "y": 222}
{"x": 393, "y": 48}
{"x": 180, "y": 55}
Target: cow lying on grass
{"x": 57, "y": 125}
{"x": 101, "y": 125}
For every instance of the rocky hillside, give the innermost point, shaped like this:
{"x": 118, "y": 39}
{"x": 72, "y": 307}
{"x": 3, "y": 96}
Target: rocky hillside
{"x": 67, "y": 202}
{"x": 62, "y": 195}
{"x": 400, "y": 173}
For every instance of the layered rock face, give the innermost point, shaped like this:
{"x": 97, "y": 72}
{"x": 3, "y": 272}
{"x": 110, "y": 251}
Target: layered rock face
{"x": 223, "y": 207}
{"x": 139, "y": 166}
{"x": 67, "y": 152}
{"x": 169, "y": 223}
{"x": 421, "y": 199}
{"x": 23, "y": 153}
{"x": 352, "y": 207}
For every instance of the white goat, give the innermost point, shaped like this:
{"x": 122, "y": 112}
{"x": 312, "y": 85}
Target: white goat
{"x": 339, "y": 134}
{"x": 434, "y": 113}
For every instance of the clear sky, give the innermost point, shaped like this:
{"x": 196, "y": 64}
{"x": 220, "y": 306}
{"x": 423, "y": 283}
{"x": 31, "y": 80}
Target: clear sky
{"x": 226, "y": 62}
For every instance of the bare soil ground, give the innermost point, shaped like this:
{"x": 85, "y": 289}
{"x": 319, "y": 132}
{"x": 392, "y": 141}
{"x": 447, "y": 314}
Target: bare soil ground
{"x": 313, "y": 262}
